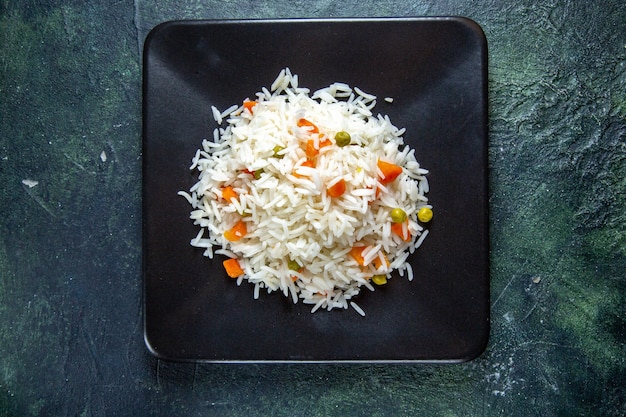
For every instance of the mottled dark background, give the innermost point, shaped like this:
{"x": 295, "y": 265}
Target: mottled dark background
{"x": 70, "y": 246}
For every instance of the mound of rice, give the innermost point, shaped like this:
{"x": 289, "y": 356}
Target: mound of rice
{"x": 260, "y": 153}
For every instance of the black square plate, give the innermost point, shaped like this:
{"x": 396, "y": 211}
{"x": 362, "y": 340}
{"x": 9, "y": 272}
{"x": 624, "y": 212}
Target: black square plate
{"x": 436, "y": 71}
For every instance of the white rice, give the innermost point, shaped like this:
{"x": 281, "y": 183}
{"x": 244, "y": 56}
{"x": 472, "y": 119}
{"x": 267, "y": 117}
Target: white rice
{"x": 357, "y": 308}
{"x": 287, "y": 210}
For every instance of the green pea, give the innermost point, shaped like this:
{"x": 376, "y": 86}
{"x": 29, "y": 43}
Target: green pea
{"x": 379, "y": 279}
{"x": 293, "y": 265}
{"x": 398, "y": 215}
{"x": 276, "y": 150}
{"x": 342, "y": 138}
{"x": 425, "y": 215}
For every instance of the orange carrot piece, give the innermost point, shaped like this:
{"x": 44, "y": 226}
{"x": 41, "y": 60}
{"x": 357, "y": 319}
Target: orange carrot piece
{"x": 378, "y": 263}
{"x": 308, "y": 163}
{"x": 376, "y": 194}
{"x": 294, "y": 278}
{"x": 390, "y": 171}
{"x": 238, "y": 231}
{"x": 249, "y": 104}
{"x": 228, "y": 193}
{"x": 357, "y": 253}
{"x": 398, "y": 228}
{"x": 232, "y": 267}
{"x": 306, "y": 123}
{"x": 337, "y": 189}
{"x": 310, "y": 149}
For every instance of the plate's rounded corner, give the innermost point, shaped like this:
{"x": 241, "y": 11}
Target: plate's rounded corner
{"x": 469, "y": 23}
{"x": 473, "y": 27}
{"x": 156, "y": 353}
{"x": 477, "y": 349}
{"x": 156, "y": 32}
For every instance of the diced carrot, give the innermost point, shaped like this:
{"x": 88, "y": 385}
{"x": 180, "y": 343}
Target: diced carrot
{"x": 378, "y": 263}
{"x": 232, "y": 267}
{"x": 238, "y": 231}
{"x": 308, "y": 163}
{"x": 249, "y": 104}
{"x": 390, "y": 171}
{"x": 398, "y": 228}
{"x": 376, "y": 194}
{"x": 255, "y": 174}
{"x": 228, "y": 193}
{"x": 337, "y": 189}
{"x": 310, "y": 149}
{"x": 378, "y": 190}
{"x": 357, "y": 253}
{"x": 294, "y": 278}
{"x": 306, "y": 123}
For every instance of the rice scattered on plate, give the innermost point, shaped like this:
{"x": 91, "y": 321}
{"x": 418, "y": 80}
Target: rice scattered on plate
{"x": 295, "y": 212}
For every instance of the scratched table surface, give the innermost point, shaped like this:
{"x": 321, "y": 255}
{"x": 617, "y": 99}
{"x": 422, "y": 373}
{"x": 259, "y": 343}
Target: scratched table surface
{"x": 71, "y": 325}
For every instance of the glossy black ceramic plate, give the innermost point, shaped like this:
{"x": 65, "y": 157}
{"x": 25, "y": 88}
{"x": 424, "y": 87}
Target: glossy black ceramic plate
{"x": 436, "y": 71}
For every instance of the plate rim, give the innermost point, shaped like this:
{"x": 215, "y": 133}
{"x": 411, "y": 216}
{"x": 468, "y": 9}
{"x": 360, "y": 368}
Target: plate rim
{"x": 469, "y": 23}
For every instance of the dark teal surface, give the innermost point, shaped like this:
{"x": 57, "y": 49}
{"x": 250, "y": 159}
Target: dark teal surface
{"x": 70, "y": 246}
